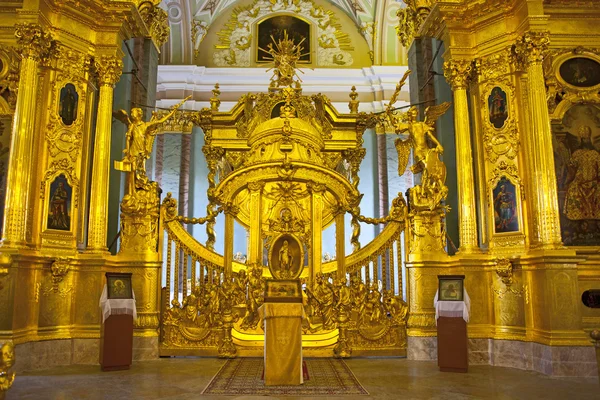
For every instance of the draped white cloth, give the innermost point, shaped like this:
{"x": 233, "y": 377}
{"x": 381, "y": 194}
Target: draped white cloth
{"x": 453, "y": 308}
{"x": 117, "y": 306}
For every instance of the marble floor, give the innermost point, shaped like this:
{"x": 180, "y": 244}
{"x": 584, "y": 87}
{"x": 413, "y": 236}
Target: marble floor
{"x": 384, "y": 378}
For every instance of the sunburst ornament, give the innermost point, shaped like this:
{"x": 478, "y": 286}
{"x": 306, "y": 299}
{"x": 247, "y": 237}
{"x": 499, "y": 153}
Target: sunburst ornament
{"x": 284, "y": 54}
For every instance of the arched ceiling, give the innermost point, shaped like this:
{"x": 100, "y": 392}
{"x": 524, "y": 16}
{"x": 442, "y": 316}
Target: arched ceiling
{"x": 190, "y": 21}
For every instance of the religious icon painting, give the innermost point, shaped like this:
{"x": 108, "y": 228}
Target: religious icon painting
{"x": 59, "y": 205}
{"x": 67, "y": 107}
{"x": 118, "y": 285}
{"x": 286, "y": 257}
{"x": 506, "y": 217}
{"x": 450, "y": 287}
{"x": 497, "y": 107}
{"x": 580, "y": 72}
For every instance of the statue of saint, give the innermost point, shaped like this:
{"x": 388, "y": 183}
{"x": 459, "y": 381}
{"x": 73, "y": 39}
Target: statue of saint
{"x": 285, "y": 258}
{"x": 582, "y": 200}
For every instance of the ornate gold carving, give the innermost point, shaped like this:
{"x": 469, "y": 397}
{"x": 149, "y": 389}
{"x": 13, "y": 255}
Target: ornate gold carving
{"x": 156, "y": 20}
{"x": 7, "y": 360}
{"x": 215, "y": 102}
{"x": 458, "y": 73}
{"x": 531, "y": 47}
{"x": 58, "y": 167}
{"x": 410, "y": 19}
{"x": 109, "y": 69}
{"x": 198, "y": 31}
{"x": 33, "y": 40}
{"x": 353, "y": 104}
{"x": 60, "y": 268}
{"x": 234, "y": 41}
{"x": 504, "y": 269}
{"x": 140, "y": 206}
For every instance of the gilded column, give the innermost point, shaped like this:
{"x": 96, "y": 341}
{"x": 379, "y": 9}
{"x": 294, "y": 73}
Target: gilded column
{"x": 457, "y": 73}
{"x": 529, "y": 51}
{"x": 109, "y": 71}
{"x": 34, "y": 44}
{"x": 340, "y": 245}
{"x": 230, "y": 212}
{"x": 255, "y": 248}
{"x": 316, "y": 214}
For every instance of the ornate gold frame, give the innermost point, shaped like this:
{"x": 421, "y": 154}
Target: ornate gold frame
{"x": 510, "y": 172}
{"x": 300, "y": 246}
{"x": 560, "y": 60}
{"x": 71, "y": 210}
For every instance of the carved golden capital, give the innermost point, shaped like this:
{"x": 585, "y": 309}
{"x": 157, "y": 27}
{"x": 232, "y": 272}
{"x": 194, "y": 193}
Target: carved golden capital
{"x": 156, "y": 20}
{"x": 34, "y": 42}
{"x": 109, "y": 69}
{"x": 531, "y": 47}
{"x": 458, "y": 73}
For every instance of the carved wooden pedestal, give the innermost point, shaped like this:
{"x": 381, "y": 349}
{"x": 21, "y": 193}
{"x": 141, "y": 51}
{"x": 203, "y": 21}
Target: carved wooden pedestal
{"x": 116, "y": 342}
{"x": 452, "y": 344}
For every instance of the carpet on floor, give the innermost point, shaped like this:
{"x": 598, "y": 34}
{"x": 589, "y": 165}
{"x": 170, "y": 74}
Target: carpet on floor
{"x": 328, "y": 377}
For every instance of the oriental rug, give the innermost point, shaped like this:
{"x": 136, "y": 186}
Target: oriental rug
{"x": 243, "y": 376}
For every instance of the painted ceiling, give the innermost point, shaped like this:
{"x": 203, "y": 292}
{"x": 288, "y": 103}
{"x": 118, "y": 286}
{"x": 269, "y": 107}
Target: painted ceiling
{"x": 191, "y": 20}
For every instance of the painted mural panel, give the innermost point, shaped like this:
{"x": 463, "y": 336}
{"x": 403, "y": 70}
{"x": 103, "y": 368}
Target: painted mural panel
{"x": 497, "y": 107}
{"x": 59, "y": 206}
{"x": 577, "y": 163}
{"x": 506, "y": 218}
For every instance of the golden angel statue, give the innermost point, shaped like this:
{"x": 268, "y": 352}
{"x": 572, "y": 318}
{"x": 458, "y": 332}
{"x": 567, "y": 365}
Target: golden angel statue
{"x": 432, "y": 190}
{"x": 140, "y": 137}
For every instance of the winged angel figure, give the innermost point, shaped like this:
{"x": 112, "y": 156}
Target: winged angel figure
{"x": 432, "y": 189}
{"x": 140, "y": 137}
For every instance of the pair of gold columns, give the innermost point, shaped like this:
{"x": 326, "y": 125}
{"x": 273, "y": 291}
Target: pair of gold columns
{"x": 35, "y": 44}
{"x": 542, "y": 193}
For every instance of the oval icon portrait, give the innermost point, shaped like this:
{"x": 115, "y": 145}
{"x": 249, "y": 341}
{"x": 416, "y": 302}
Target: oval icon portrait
{"x": 580, "y": 72}
{"x": 286, "y": 258}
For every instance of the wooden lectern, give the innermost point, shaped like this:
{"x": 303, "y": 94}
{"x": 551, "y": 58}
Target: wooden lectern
{"x": 452, "y": 310}
{"x": 118, "y": 312}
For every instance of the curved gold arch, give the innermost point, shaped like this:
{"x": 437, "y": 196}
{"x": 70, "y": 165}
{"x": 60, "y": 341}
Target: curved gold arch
{"x": 234, "y": 183}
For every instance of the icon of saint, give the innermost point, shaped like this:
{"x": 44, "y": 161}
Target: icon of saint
{"x": 504, "y": 206}
{"x": 58, "y": 205}
{"x": 583, "y": 194}
{"x": 68, "y": 106}
{"x": 451, "y": 293}
{"x": 118, "y": 288}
